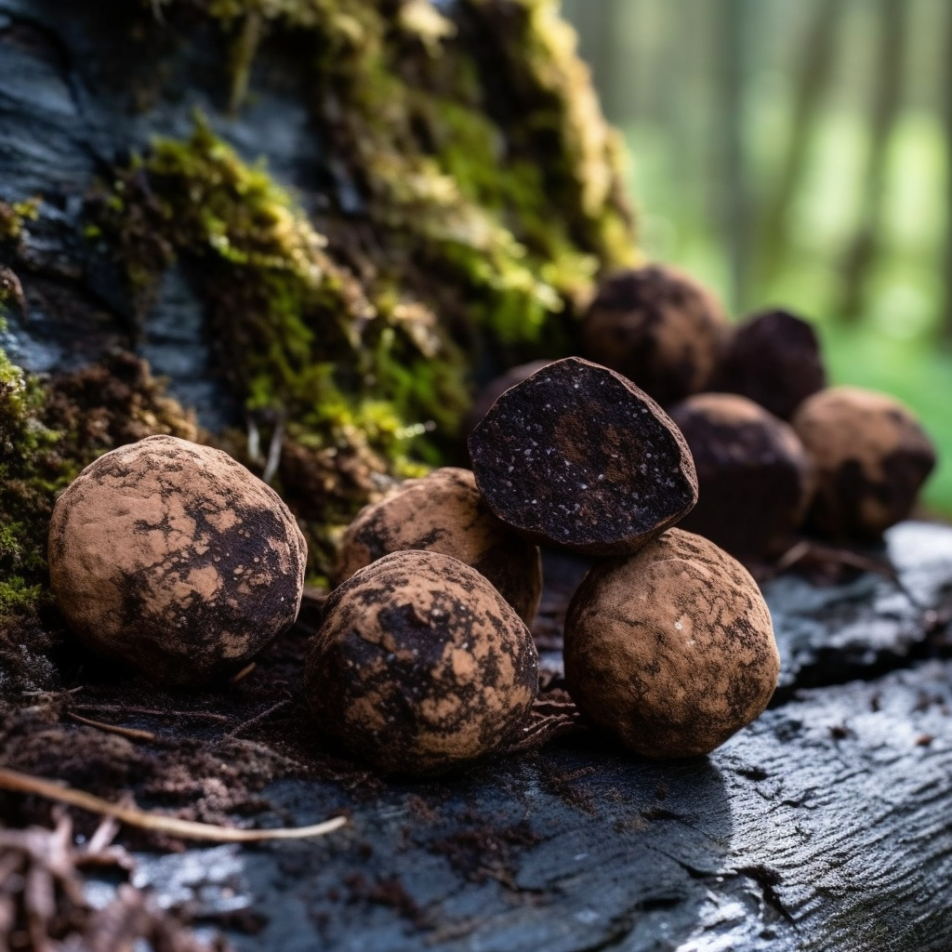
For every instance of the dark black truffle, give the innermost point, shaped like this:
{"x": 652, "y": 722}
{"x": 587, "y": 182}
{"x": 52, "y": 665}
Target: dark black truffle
{"x": 754, "y": 477}
{"x": 578, "y": 456}
{"x": 658, "y": 327}
{"x": 496, "y": 388}
{"x": 871, "y": 456}
{"x": 420, "y": 665}
{"x": 774, "y": 359}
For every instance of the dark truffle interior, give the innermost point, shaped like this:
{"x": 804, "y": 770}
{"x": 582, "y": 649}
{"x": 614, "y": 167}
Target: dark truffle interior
{"x": 578, "y": 455}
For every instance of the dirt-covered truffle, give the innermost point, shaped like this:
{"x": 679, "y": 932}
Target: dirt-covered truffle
{"x": 774, "y": 359}
{"x": 871, "y": 456}
{"x": 754, "y": 477}
{"x": 175, "y": 559}
{"x": 576, "y": 455}
{"x": 657, "y": 326}
{"x": 420, "y": 665}
{"x": 671, "y": 650}
{"x": 496, "y": 388}
{"x": 444, "y": 512}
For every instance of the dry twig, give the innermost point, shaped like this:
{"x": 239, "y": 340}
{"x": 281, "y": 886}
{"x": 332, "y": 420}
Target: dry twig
{"x": 158, "y": 823}
{"x": 131, "y": 732}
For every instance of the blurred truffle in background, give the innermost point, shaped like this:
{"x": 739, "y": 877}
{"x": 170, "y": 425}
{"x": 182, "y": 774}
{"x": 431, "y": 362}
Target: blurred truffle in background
{"x": 659, "y": 327}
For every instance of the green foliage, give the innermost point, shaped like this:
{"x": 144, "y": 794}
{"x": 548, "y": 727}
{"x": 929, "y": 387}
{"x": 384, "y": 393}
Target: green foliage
{"x": 14, "y": 216}
{"x": 302, "y": 337}
{"x": 515, "y": 213}
{"x": 31, "y": 472}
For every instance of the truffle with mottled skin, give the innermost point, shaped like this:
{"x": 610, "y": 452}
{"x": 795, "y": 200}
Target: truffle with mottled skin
{"x": 444, "y": 512}
{"x": 658, "y": 327}
{"x": 577, "y": 456}
{"x": 671, "y": 650}
{"x": 420, "y": 665}
{"x": 774, "y": 359}
{"x": 496, "y": 388}
{"x": 175, "y": 559}
{"x": 754, "y": 477}
{"x": 871, "y": 457}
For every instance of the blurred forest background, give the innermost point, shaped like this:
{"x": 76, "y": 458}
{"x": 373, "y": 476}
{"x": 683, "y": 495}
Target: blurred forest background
{"x": 798, "y": 153}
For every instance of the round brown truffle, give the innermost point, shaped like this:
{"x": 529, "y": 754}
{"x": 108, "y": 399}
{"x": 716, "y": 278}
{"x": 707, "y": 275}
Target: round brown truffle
{"x": 420, "y": 665}
{"x": 754, "y": 477}
{"x": 671, "y": 650}
{"x": 658, "y": 327}
{"x": 871, "y": 457}
{"x": 175, "y": 559}
{"x": 444, "y": 512}
{"x": 774, "y": 359}
{"x": 578, "y": 456}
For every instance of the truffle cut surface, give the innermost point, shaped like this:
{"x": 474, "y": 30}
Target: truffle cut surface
{"x": 175, "y": 559}
{"x": 578, "y": 456}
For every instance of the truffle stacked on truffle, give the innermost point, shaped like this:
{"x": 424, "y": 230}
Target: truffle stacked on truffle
{"x": 671, "y": 650}
{"x": 175, "y": 559}
{"x": 754, "y": 477}
{"x": 420, "y": 665}
{"x": 578, "y": 456}
{"x": 657, "y": 326}
{"x": 496, "y": 387}
{"x": 444, "y": 512}
{"x": 871, "y": 457}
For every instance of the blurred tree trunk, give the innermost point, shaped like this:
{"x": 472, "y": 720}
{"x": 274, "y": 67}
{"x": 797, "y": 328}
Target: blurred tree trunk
{"x": 813, "y": 79}
{"x": 946, "y": 326}
{"x": 734, "y": 205}
{"x": 861, "y": 254}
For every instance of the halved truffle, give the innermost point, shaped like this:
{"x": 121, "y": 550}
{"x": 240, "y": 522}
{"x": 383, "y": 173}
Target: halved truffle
{"x": 444, "y": 512}
{"x": 420, "y": 665}
{"x": 496, "y": 388}
{"x": 659, "y": 327}
{"x": 578, "y": 456}
{"x": 175, "y": 559}
{"x": 754, "y": 477}
{"x": 774, "y": 359}
{"x": 672, "y": 650}
{"x": 871, "y": 455}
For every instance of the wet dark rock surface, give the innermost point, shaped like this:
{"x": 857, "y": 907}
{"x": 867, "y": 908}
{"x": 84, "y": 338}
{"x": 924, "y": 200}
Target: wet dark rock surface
{"x": 822, "y": 826}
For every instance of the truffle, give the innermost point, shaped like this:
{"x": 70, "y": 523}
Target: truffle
{"x": 578, "y": 456}
{"x": 444, "y": 512}
{"x": 754, "y": 477}
{"x": 175, "y": 559}
{"x": 871, "y": 457}
{"x": 420, "y": 665}
{"x": 659, "y": 328}
{"x": 671, "y": 650}
{"x": 774, "y": 359}
{"x": 496, "y": 388}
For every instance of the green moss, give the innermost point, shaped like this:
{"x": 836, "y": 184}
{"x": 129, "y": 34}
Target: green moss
{"x": 519, "y": 211}
{"x": 30, "y": 474}
{"x": 489, "y": 199}
{"x": 50, "y": 430}
{"x": 14, "y": 216}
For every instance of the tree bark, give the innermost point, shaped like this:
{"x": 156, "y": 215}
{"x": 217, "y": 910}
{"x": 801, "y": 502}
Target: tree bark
{"x": 889, "y": 80}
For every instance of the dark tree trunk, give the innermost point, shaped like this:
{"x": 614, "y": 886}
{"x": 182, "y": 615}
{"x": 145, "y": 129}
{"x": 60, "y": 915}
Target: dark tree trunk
{"x": 887, "y": 90}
